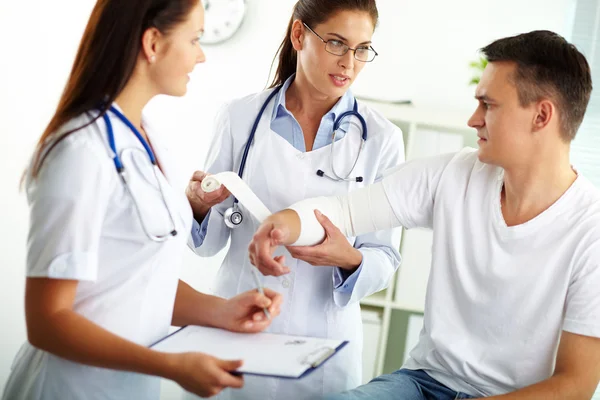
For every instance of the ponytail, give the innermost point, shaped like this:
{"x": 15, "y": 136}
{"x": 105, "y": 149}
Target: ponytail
{"x": 287, "y": 58}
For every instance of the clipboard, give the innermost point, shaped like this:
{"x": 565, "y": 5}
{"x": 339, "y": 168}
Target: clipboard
{"x": 264, "y": 354}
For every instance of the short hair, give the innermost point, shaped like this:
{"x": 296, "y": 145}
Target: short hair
{"x": 547, "y": 67}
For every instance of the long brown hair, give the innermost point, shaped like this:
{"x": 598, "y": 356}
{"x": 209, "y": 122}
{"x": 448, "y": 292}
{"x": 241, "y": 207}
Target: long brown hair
{"x": 106, "y": 59}
{"x": 312, "y": 13}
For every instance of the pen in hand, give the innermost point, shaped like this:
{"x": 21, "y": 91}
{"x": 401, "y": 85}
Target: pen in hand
{"x": 260, "y": 290}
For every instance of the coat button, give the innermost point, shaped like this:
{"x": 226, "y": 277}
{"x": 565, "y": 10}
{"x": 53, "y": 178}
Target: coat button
{"x": 285, "y": 283}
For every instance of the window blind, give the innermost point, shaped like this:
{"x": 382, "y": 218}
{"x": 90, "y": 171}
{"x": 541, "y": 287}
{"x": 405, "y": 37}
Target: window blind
{"x": 585, "y": 150}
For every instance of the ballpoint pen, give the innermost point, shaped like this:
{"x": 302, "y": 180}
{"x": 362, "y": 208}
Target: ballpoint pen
{"x": 260, "y": 290}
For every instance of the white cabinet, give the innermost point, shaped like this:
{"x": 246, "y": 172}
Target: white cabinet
{"x": 371, "y": 319}
{"x": 426, "y": 132}
{"x": 412, "y": 276}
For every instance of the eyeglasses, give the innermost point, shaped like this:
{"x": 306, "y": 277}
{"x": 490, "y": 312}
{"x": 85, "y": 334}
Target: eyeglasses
{"x": 339, "y": 48}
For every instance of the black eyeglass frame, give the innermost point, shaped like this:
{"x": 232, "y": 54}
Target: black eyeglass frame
{"x": 370, "y": 48}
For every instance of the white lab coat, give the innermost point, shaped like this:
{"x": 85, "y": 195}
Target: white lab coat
{"x": 83, "y": 226}
{"x": 281, "y": 175}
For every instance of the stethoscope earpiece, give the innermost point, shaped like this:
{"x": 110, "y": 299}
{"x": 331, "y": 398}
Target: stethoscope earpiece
{"x": 336, "y": 125}
{"x": 322, "y": 173}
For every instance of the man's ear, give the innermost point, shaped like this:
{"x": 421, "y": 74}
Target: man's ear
{"x": 544, "y": 112}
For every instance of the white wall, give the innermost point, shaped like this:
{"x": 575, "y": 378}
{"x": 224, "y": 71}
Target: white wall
{"x": 425, "y": 47}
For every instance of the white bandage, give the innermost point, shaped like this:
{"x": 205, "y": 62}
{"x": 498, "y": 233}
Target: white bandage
{"x": 210, "y": 184}
{"x": 370, "y": 210}
{"x": 312, "y": 231}
{"x": 362, "y": 211}
{"x": 240, "y": 190}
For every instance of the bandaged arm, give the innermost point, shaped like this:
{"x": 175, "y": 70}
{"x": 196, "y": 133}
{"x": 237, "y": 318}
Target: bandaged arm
{"x": 410, "y": 187}
{"x": 362, "y": 211}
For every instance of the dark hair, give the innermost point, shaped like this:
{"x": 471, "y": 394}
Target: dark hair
{"x": 547, "y": 67}
{"x": 312, "y": 13}
{"x": 106, "y": 59}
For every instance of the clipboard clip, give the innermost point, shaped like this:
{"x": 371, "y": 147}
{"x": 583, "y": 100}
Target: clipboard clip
{"x": 318, "y": 356}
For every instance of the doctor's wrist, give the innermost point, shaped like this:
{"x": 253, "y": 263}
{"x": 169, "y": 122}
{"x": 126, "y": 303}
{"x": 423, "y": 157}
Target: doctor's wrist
{"x": 200, "y": 210}
{"x": 352, "y": 261}
{"x": 216, "y": 314}
{"x": 159, "y": 363}
{"x": 169, "y": 366}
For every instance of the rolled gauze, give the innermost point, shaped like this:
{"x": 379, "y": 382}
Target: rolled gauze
{"x": 240, "y": 190}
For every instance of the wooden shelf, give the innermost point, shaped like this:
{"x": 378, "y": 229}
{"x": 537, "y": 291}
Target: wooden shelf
{"x": 399, "y": 306}
{"x": 376, "y": 300}
{"x": 455, "y": 120}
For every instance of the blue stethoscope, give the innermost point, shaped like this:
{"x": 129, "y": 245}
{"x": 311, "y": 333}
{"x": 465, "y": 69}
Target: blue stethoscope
{"x": 121, "y": 170}
{"x": 233, "y": 216}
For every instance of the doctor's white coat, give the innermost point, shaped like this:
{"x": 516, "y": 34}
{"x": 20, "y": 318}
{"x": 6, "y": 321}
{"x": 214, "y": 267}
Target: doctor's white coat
{"x": 316, "y": 301}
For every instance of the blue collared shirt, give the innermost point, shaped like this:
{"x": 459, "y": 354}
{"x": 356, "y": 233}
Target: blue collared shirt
{"x": 285, "y": 125}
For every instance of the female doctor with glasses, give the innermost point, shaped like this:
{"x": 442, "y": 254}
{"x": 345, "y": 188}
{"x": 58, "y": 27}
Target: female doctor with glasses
{"x": 305, "y": 136}
{"x": 108, "y": 224}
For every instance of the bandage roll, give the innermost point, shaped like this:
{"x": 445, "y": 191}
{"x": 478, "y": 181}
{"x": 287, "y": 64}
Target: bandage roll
{"x": 240, "y": 190}
{"x": 210, "y": 184}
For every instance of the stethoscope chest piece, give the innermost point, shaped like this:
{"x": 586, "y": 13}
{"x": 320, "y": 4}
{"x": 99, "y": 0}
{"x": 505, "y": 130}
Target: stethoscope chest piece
{"x": 233, "y": 217}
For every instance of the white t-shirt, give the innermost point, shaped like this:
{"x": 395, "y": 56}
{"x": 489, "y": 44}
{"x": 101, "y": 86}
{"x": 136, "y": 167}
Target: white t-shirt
{"x": 498, "y": 297}
{"x": 84, "y": 226}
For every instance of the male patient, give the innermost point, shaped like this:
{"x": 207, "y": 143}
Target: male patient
{"x": 513, "y": 300}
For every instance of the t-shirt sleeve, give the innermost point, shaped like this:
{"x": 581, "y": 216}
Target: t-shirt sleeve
{"x": 68, "y": 201}
{"x": 582, "y": 309}
{"x": 411, "y": 189}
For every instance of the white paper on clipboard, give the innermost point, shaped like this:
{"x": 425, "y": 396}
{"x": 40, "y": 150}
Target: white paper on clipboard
{"x": 264, "y": 354}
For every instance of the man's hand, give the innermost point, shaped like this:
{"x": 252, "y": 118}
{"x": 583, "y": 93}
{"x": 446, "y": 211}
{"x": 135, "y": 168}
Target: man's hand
{"x": 262, "y": 246}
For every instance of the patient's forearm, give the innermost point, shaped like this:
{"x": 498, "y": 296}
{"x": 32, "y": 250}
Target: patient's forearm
{"x": 555, "y": 388}
{"x": 286, "y": 220}
{"x": 362, "y": 211}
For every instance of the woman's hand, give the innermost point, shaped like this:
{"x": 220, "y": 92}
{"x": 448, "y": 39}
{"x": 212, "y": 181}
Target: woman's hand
{"x": 201, "y": 201}
{"x": 334, "y": 251}
{"x": 202, "y": 374}
{"x": 244, "y": 312}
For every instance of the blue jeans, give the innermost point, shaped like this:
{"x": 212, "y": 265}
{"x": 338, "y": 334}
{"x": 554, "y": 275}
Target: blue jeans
{"x": 403, "y": 384}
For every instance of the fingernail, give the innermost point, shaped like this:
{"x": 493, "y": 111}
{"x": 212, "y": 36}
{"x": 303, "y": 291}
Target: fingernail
{"x": 318, "y": 213}
{"x": 248, "y": 324}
